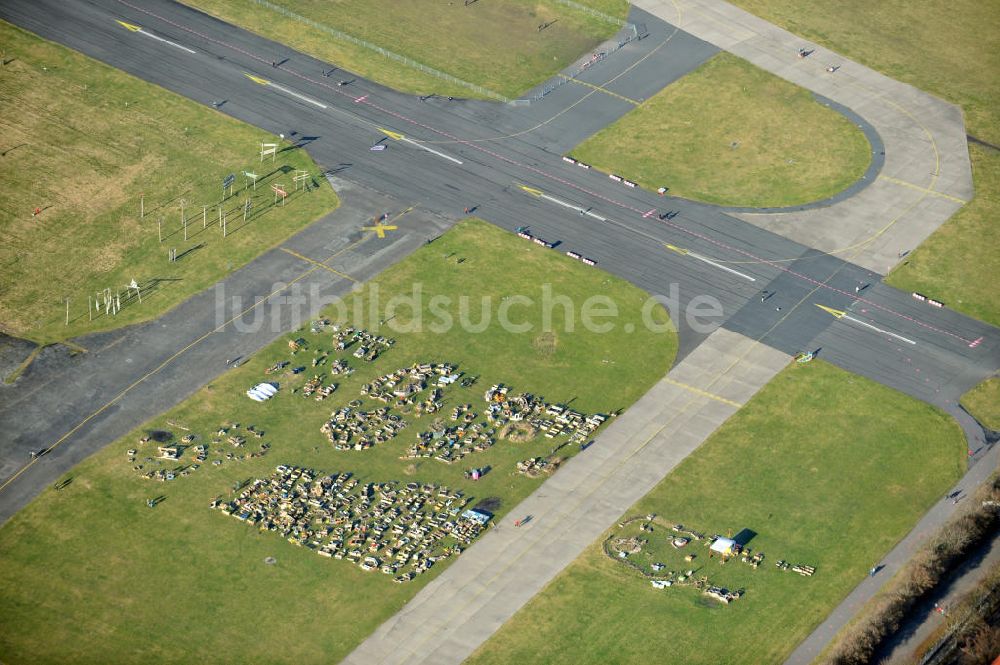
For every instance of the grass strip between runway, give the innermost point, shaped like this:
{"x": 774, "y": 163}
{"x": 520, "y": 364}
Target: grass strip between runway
{"x": 827, "y": 468}
{"x": 89, "y": 573}
{"x": 731, "y": 133}
{"x": 451, "y": 37}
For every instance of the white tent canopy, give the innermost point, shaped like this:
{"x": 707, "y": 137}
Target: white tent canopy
{"x": 262, "y": 392}
{"x": 723, "y": 546}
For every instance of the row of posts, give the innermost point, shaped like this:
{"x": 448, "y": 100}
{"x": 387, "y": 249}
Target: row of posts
{"x": 111, "y": 306}
{"x": 279, "y": 191}
{"x": 104, "y": 301}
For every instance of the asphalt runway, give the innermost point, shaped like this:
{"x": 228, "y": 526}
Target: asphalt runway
{"x": 484, "y": 156}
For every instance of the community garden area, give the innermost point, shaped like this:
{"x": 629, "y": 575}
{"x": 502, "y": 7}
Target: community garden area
{"x": 292, "y": 492}
{"x": 459, "y": 39}
{"x": 811, "y": 482}
{"x": 733, "y": 134}
{"x": 106, "y": 175}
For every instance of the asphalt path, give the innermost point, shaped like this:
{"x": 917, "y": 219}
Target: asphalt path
{"x": 445, "y": 156}
{"x": 926, "y": 620}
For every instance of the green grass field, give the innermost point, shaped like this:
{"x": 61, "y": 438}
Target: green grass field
{"x": 731, "y": 133}
{"x": 617, "y": 8}
{"x": 829, "y": 469}
{"x": 90, "y": 574}
{"x": 82, "y": 141}
{"x": 983, "y": 402}
{"x": 940, "y": 47}
{"x": 450, "y": 37}
{"x": 954, "y": 264}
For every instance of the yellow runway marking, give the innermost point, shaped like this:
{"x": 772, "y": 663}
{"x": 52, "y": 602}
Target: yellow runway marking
{"x": 172, "y": 358}
{"x": 600, "y": 89}
{"x": 838, "y": 313}
{"x": 703, "y": 393}
{"x": 380, "y": 228}
{"x": 257, "y": 79}
{"x": 922, "y": 189}
{"x": 318, "y": 264}
{"x": 395, "y": 136}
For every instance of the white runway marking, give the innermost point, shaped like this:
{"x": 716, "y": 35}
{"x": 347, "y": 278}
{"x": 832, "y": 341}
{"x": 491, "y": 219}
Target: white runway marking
{"x": 571, "y": 206}
{"x": 720, "y": 266}
{"x": 705, "y": 259}
{"x": 848, "y": 317}
{"x": 297, "y": 95}
{"x": 166, "y": 41}
{"x": 431, "y": 150}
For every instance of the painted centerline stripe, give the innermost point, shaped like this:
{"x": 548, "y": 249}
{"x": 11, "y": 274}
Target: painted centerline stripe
{"x": 841, "y": 314}
{"x": 138, "y": 28}
{"x": 298, "y": 96}
{"x": 318, "y": 264}
{"x": 633, "y": 102}
{"x": 396, "y": 136}
{"x": 703, "y": 393}
{"x": 537, "y": 193}
{"x": 848, "y": 317}
{"x": 925, "y": 190}
{"x": 431, "y": 150}
{"x": 167, "y": 41}
{"x": 265, "y": 82}
{"x": 705, "y": 259}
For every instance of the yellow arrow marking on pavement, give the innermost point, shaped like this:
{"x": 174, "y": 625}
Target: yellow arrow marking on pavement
{"x": 129, "y": 26}
{"x": 257, "y": 79}
{"x": 531, "y": 190}
{"x": 674, "y": 248}
{"x": 380, "y": 229}
{"x": 839, "y": 313}
{"x": 395, "y": 136}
